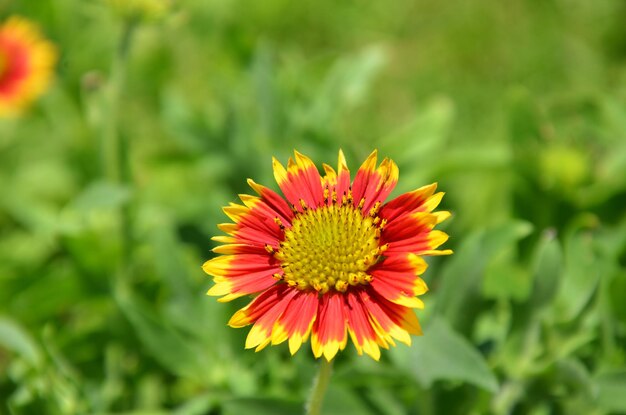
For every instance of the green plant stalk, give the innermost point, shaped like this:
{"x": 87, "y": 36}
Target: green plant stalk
{"x": 320, "y": 385}
{"x": 117, "y": 144}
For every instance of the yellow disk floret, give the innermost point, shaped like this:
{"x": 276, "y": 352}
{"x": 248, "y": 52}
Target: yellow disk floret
{"x": 330, "y": 248}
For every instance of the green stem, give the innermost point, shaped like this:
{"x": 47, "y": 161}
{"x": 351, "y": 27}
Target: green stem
{"x": 118, "y": 145}
{"x": 114, "y": 143}
{"x": 316, "y": 398}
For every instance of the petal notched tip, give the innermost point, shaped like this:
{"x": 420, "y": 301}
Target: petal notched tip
{"x": 442, "y": 215}
{"x": 418, "y": 263}
{"x": 219, "y": 289}
{"x": 280, "y": 173}
{"x": 437, "y": 238}
{"x": 249, "y": 201}
{"x": 370, "y": 163}
{"x": 235, "y": 212}
{"x": 258, "y": 188}
{"x": 341, "y": 159}
{"x": 433, "y": 201}
{"x": 303, "y": 161}
{"x": 239, "y": 319}
{"x": 257, "y": 338}
{"x": 217, "y": 266}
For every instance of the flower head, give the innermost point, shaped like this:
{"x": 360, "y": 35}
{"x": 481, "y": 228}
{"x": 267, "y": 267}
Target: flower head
{"x": 26, "y": 62}
{"x": 331, "y": 261}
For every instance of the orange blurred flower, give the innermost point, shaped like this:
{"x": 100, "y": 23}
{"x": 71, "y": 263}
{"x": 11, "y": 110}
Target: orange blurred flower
{"x": 26, "y": 64}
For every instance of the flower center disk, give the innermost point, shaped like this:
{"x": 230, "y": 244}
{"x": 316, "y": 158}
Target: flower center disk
{"x": 330, "y": 248}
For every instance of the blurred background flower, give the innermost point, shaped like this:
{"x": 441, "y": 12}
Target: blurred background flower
{"x": 516, "y": 108}
{"x": 26, "y": 64}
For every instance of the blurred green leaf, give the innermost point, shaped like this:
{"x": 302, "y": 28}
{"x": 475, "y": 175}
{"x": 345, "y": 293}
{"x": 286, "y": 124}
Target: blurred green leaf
{"x": 575, "y": 375}
{"x": 443, "y": 354}
{"x": 611, "y": 390}
{"x": 547, "y": 270}
{"x": 351, "y": 78}
{"x": 187, "y": 296}
{"x": 616, "y": 290}
{"x": 261, "y": 406}
{"x": 102, "y": 196}
{"x": 345, "y": 86}
{"x": 178, "y": 354}
{"x": 580, "y": 276}
{"x": 385, "y": 400}
{"x": 416, "y": 145}
{"x": 524, "y": 121}
{"x": 505, "y": 278}
{"x": 199, "y": 405}
{"x": 185, "y": 126}
{"x": 461, "y": 278}
{"x": 14, "y": 338}
{"x": 341, "y": 400}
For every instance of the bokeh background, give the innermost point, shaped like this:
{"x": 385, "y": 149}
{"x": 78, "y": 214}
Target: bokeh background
{"x": 113, "y": 182}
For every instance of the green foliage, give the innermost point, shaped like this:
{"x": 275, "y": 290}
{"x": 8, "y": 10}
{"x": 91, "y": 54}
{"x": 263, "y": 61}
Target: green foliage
{"x": 516, "y": 108}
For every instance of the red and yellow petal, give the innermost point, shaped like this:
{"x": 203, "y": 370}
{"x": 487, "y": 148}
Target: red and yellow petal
{"x": 336, "y": 184}
{"x": 362, "y": 333}
{"x": 296, "y": 322}
{"x": 391, "y": 321}
{"x": 257, "y": 216}
{"x": 273, "y": 201}
{"x": 301, "y": 183}
{"x": 329, "y": 333}
{"x": 241, "y": 274}
{"x": 263, "y": 312}
{"x": 378, "y": 184}
{"x": 363, "y": 176}
{"x": 408, "y": 226}
{"x": 418, "y": 200}
{"x": 414, "y": 234}
{"x": 397, "y": 279}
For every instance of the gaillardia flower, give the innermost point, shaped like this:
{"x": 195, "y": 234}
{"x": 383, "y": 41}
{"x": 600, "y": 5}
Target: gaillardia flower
{"x": 330, "y": 261}
{"x": 26, "y": 62}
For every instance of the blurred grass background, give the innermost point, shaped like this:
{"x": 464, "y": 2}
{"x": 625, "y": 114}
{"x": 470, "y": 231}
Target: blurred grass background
{"x": 516, "y": 108}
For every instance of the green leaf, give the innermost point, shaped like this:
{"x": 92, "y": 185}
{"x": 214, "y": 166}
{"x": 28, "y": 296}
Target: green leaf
{"x": 261, "y": 406}
{"x": 181, "y": 355}
{"x": 611, "y": 390}
{"x": 102, "y": 196}
{"x": 580, "y": 277}
{"x": 187, "y": 296}
{"x": 340, "y": 400}
{"x": 385, "y": 400}
{"x": 417, "y": 144}
{"x": 505, "y": 279}
{"x": 351, "y": 78}
{"x": 346, "y": 86}
{"x": 199, "y": 405}
{"x": 14, "y": 338}
{"x": 524, "y": 121}
{"x": 547, "y": 270}
{"x": 461, "y": 279}
{"x": 443, "y": 354}
{"x": 617, "y": 288}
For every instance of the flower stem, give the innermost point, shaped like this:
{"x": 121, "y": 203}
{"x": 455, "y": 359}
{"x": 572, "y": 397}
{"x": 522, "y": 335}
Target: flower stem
{"x": 316, "y": 398}
{"x": 118, "y": 144}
